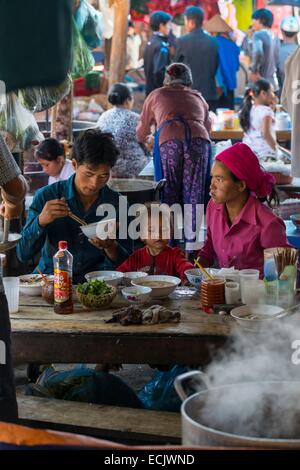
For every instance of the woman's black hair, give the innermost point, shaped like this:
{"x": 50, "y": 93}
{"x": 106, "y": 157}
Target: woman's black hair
{"x": 254, "y": 91}
{"x": 50, "y": 149}
{"x": 272, "y": 200}
{"x": 118, "y": 94}
{"x": 94, "y": 148}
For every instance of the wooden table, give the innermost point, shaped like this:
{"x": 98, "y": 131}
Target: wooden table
{"x": 41, "y": 336}
{"x": 237, "y": 134}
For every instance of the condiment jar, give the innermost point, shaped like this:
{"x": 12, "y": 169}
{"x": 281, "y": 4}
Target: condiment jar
{"x": 212, "y": 292}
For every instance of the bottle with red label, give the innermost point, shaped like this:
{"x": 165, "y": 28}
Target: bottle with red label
{"x": 63, "y": 265}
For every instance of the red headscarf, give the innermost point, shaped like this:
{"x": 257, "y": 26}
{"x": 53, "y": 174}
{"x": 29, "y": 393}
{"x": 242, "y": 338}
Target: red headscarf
{"x": 244, "y": 164}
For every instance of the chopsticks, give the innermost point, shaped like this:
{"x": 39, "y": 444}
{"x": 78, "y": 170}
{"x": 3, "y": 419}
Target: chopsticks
{"x": 43, "y": 276}
{"x": 196, "y": 263}
{"x": 77, "y": 219}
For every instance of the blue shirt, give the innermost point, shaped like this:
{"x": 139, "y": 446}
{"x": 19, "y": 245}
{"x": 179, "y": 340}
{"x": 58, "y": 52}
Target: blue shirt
{"x": 229, "y": 63}
{"x": 86, "y": 257}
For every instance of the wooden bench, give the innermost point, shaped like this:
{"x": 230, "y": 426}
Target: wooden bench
{"x": 126, "y": 425}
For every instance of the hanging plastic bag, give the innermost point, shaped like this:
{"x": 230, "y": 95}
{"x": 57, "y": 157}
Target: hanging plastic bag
{"x": 18, "y": 123}
{"x": 159, "y": 394}
{"x": 90, "y": 24}
{"x": 39, "y": 99}
{"x": 83, "y": 60}
{"x": 35, "y": 42}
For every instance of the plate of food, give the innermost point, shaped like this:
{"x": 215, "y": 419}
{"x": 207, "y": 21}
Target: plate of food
{"x": 161, "y": 285}
{"x": 31, "y": 284}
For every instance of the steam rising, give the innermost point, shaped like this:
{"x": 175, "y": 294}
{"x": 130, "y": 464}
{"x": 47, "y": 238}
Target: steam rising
{"x": 251, "y": 408}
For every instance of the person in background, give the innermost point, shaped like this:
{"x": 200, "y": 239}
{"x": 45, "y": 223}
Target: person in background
{"x": 239, "y": 225}
{"x": 157, "y": 51}
{"x": 14, "y": 187}
{"x": 50, "y": 154}
{"x": 290, "y": 29}
{"x": 121, "y": 121}
{"x": 257, "y": 119}
{"x": 93, "y": 155}
{"x": 134, "y": 43}
{"x": 265, "y": 49}
{"x": 247, "y": 44}
{"x": 182, "y": 143}
{"x": 199, "y": 51}
{"x": 157, "y": 257}
{"x": 229, "y": 62}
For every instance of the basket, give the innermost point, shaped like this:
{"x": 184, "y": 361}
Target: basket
{"x": 96, "y": 302}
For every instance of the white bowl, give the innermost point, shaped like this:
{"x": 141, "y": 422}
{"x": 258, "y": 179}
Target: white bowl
{"x": 136, "y": 294}
{"x": 131, "y": 276}
{"x": 262, "y": 315}
{"x": 157, "y": 291}
{"x": 101, "y": 229}
{"x": 113, "y": 278}
{"x": 34, "y": 289}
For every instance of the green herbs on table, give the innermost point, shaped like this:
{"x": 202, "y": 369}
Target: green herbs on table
{"x": 95, "y": 287}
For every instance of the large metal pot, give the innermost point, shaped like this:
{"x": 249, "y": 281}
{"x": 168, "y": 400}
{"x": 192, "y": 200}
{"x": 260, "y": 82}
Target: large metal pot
{"x": 198, "y": 426}
{"x": 138, "y": 191}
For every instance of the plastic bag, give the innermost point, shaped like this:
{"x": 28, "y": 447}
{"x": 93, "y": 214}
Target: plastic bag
{"x": 83, "y": 60}
{"x": 41, "y": 98}
{"x": 18, "y": 123}
{"x": 159, "y": 394}
{"x": 36, "y": 42}
{"x": 88, "y": 385}
{"x": 90, "y": 24}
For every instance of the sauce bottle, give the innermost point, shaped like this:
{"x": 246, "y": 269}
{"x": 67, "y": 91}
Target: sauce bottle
{"x": 63, "y": 265}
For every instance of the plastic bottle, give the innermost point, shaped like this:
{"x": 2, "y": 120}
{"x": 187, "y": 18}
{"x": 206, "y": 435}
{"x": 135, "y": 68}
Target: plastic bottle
{"x": 63, "y": 264}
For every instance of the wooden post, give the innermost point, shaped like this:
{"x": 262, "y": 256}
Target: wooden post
{"x": 118, "y": 50}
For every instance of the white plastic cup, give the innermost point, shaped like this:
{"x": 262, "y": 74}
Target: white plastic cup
{"x": 232, "y": 292}
{"x": 11, "y": 288}
{"x": 254, "y": 292}
{"x": 245, "y": 276}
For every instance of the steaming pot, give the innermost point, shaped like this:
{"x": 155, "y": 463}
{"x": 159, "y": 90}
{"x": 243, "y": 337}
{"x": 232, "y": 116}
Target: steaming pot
{"x": 199, "y": 431}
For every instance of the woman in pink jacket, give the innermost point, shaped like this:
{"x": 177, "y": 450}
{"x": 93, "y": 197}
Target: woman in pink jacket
{"x": 239, "y": 225}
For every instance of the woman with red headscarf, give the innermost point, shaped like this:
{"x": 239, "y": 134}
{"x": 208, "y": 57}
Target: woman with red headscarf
{"x": 239, "y": 225}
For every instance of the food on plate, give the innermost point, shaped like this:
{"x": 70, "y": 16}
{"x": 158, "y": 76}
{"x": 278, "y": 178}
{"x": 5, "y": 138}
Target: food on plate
{"x": 95, "y": 287}
{"x": 33, "y": 280}
{"x": 154, "y": 284}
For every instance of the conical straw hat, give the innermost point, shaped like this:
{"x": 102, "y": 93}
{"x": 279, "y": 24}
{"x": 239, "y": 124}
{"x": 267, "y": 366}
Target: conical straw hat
{"x": 217, "y": 25}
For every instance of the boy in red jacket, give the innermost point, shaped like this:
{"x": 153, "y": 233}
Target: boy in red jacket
{"x": 157, "y": 257}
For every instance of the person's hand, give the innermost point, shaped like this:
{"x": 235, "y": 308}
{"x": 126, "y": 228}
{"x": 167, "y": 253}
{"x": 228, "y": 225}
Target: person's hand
{"x": 220, "y": 91}
{"x": 11, "y": 211}
{"x": 254, "y": 76}
{"x": 149, "y": 143}
{"x": 55, "y": 209}
{"x": 102, "y": 244}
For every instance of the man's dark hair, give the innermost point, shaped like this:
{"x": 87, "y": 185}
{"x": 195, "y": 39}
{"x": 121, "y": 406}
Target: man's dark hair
{"x": 157, "y": 18}
{"x": 93, "y": 147}
{"x": 196, "y": 14}
{"x": 265, "y": 16}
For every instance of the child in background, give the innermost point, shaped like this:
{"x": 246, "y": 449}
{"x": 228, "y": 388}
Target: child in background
{"x": 51, "y": 156}
{"x": 157, "y": 257}
{"x": 257, "y": 119}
